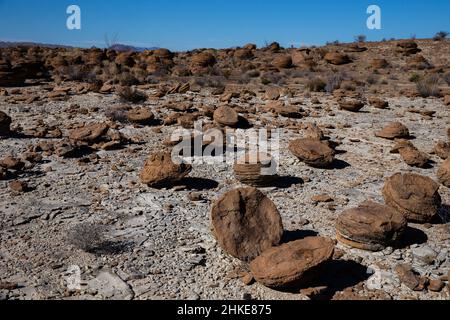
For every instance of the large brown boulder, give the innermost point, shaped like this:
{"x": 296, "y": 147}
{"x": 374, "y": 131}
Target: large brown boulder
{"x": 243, "y": 54}
{"x": 411, "y": 155}
{"x": 350, "y": 104}
{"x": 282, "y": 62}
{"x": 337, "y": 58}
{"x": 312, "y": 152}
{"x": 393, "y": 130}
{"x": 443, "y": 173}
{"x": 226, "y": 116}
{"x": 140, "y": 115}
{"x": 292, "y": 264}
{"x": 370, "y": 226}
{"x": 407, "y": 47}
{"x": 89, "y": 133}
{"x": 245, "y": 223}
{"x": 203, "y": 59}
{"x": 378, "y": 103}
{"x": 160, "y": 171}
{"x": 413, "y": 195}
{"x": 5, "y": 123}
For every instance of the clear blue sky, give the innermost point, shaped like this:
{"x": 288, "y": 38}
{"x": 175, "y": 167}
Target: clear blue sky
{"x": 188, "y": 24}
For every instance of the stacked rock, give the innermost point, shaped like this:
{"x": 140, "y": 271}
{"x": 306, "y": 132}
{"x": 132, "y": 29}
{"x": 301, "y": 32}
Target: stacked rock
{"x": 257, "y": 170}
{"x": 370, "y": 226}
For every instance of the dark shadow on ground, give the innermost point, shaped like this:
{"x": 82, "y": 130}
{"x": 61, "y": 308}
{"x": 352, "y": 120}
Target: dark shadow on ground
{"x": 198, "y": 184}
{"x": 113, "y": 247}
{"x": 339, "y": 164}
{"x": 411, "y": 236}
{"x": 284, "y": 182}
{"x": 292, "y": 235}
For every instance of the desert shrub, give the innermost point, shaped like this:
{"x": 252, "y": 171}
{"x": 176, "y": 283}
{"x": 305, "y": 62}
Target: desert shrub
{"x": 210, "y": 81}
{"x": 129, "y": 94}
{"x": 117, "y": 115}
{"x": 270, "y": 77}
{"x": 415, "y": 77}
{"x": 360, "y": 38}
{"x": 429, "y": 86}
{"x": 87, "y": 236}
{"x": 316, "y": 85}
{"x": 126, "y": 79}
{"x": 334, "y": 82}
{"x": 441, "y": 35}
{"x": 333, "y": 43}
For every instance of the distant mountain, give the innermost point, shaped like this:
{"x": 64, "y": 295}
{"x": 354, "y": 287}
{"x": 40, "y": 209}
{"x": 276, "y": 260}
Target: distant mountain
{"x": 117, "y": 47}
{"x": 123, "y": 47}
{"x": 6, "y": 44}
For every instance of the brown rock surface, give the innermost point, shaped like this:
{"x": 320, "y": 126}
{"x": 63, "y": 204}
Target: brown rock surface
{"x": 413, "y": 195}
{"x": 160, "y": 170}
{"x": 337, "y": 58}
{"x": 443, "y": 173}
{"x": 442, "y": 149}
{"x": 89, "y": 133}
{"x": 312, "y": 152}
{"x": 393, "y": 130}
{"x": 370, "y": 226}
{"x": 292, "y": 264}
{"x": 226, "y": 116}
{"x": 245, "y": 223}
{"x": 140, "y": 115}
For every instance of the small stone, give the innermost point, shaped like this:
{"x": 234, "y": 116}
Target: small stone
{"x": 322, "y": 198}
{"x": 424, "y": 254}
{"x": 410, "y": 278}
{"x": 18, "y": 186}
{"x": 436, "y": 285}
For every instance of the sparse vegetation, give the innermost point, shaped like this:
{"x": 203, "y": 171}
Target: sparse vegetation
{"x": 360, "y": 38}
{"x": 429, "y": 86}
{"x": 415, "y": 77}
{"x": 334, "y": 82}
{"x": 87, "y": 236}
{"x": 130, "y": 94}
{"x": 440, "y": 36}
{"x": 316, "y": 85}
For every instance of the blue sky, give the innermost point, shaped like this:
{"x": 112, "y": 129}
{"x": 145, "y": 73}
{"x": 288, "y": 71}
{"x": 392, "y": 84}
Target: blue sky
{"x": 188, "y": 24}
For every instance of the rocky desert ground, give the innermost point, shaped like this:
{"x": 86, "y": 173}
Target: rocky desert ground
{"x": 93, "y": 206}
